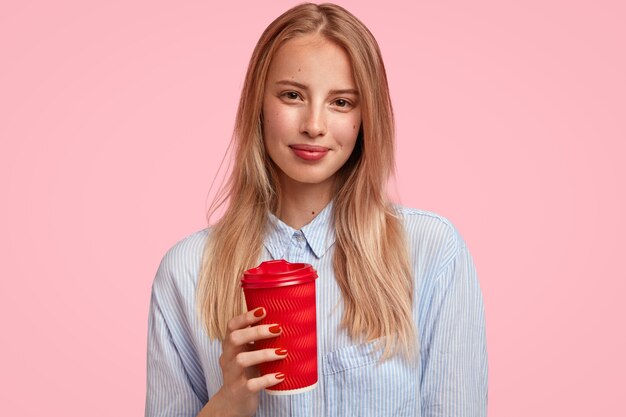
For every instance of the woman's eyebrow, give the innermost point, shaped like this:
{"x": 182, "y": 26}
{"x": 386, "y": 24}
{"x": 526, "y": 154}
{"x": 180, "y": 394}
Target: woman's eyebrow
{"x": 352, "y": 91}
{"x": 292, "y": 83}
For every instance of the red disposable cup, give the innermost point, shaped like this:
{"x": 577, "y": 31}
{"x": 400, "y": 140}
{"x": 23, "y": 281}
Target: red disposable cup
{"x": 287, "y": 292}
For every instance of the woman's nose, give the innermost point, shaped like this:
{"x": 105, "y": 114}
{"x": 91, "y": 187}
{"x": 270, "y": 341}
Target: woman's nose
{"x": 314, "y": 122}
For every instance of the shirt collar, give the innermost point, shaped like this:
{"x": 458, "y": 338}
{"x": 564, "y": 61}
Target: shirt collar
{"x": 319, "y": 234}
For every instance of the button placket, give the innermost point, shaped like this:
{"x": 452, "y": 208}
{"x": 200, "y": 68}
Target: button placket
{"x": 298, "y": 239}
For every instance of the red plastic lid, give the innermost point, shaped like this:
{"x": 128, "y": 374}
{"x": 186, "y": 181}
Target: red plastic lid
{"x": 278, "y": 273}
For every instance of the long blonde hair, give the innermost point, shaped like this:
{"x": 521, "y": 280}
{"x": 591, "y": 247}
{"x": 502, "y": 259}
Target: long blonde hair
{"x": 371, "y": 260}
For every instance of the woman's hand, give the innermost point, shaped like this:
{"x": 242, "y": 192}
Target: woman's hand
{"x": 239, "y": 396}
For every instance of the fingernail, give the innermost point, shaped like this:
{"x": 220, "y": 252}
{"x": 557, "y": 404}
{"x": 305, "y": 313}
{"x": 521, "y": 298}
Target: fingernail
{"x": 281, "y": 351}
{"x": 280, "y": 376}
{"x": 259, "y": 312}
{"x": 275, "y": 329}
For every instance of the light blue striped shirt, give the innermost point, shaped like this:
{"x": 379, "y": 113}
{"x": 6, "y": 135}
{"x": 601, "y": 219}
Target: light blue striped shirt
{"x": 449, "y": 379}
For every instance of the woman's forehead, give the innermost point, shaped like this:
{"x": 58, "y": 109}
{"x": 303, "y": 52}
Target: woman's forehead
{"x": 313, "y": 58}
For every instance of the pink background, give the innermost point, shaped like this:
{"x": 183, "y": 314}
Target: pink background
{"x": 114, "y": 117}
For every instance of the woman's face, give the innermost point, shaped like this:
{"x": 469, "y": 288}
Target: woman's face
{"x": 311, "y": 111}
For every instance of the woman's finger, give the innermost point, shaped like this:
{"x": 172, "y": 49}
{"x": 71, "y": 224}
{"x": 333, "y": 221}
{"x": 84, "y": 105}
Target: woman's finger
{"x": 255, "y": 357}
{"x": 242, "y": 337}
{"x": 246, "y": 319}
{"x": 229, "y": 349}
{"x": 257, "y": 384}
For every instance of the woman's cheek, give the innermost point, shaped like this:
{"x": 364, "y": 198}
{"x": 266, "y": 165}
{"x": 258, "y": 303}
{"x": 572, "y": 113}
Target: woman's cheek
{"x": 349, "y": 130}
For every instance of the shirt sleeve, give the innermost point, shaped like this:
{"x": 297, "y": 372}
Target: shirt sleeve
{"x": 454, "y": 381}
{"x": 169, "y": 390}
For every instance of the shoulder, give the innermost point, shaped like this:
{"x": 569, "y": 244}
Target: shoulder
{"x": 432, "y": 238}
{"x": 186, "y": 250}
{"x": 428, "y": 225}
{"x": 180, "y": 266}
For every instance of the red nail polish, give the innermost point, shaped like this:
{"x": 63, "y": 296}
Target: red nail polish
{"x": 281, "y": 351}
{"x": 280, "y": 376}
{"x": 259, "y": 312}
{"x": 275, "y": 329}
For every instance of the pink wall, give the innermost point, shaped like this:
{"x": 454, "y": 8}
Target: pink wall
{"x": 114, "y": 117}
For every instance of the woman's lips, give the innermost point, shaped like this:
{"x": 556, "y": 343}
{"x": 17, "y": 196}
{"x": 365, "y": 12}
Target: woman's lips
{"x": 309, "y": 152}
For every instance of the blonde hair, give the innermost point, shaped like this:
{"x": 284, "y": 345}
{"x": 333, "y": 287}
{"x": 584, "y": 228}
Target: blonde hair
{"x": 371, "y": 260}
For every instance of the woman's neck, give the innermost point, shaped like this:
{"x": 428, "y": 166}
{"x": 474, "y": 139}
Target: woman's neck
{"x": 301, "y": 203}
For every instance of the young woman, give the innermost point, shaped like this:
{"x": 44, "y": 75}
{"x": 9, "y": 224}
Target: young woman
{"x": 400, "y": 315}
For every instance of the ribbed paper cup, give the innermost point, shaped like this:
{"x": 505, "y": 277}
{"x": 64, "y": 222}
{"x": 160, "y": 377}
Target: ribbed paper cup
{"x": 287, "y": 292}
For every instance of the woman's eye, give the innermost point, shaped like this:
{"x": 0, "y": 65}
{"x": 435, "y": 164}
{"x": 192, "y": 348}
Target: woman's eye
{"x": 291, "y": 95}
{"x": 342, "y": 103}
